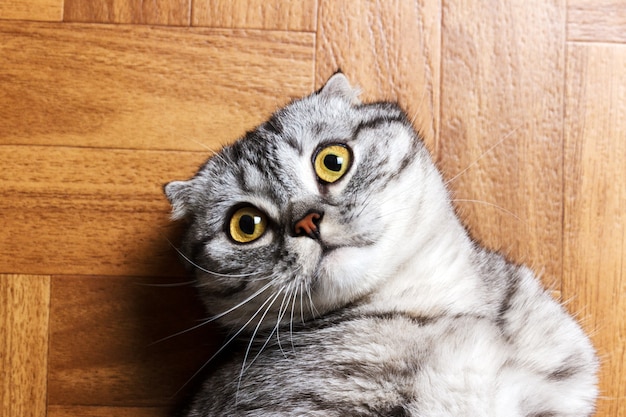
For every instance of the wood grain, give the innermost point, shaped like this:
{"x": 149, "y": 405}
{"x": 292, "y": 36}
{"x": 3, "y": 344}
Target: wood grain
{"x": 103, "y": 411}
{"x": 144, "y": 87}
{"x": 294, "y": 15}
{"x": 88, "y": 211}
{"x": 595, "y": 208}
{"x": 44, "y": 10}
{"x": 596, "y": 20}
{"x": 391, "y": 49}
{"x": 155, "y": 12}
{"x": 501, "y": 127}
{"x": 23, "y": 344}
{"x": 95, "y": 117}
{"x": 104, "y": 341}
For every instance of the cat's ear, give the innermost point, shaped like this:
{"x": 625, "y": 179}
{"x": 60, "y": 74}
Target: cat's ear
{"x": 179, "y": 195}
{"x": 339, "y": 86}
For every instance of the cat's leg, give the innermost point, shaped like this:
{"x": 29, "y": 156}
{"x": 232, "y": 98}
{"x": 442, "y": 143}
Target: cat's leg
{"x": 461, "y": 374}
{"x": 553, "y": 364}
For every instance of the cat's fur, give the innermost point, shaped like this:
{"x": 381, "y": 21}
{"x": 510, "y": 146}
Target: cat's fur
{"x": 391, "y": 309}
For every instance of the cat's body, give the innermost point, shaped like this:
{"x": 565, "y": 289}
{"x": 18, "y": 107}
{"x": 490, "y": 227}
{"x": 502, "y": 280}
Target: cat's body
{"x": 328, "y": 239}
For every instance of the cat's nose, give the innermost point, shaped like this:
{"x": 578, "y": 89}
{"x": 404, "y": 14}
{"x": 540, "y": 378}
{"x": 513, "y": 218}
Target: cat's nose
{"x": 309, "y": 225}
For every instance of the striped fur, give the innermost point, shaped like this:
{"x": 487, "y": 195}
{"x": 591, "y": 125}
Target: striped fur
{"x": 390, "y": 309}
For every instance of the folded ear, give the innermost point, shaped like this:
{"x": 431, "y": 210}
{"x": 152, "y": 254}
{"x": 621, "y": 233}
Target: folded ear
{"x": 179, "y": 195}
{"x": 339, "y": 86}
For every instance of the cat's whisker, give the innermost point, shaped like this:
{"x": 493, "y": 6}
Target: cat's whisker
{"x": 267, "y": 341}
{"x": 256, "y": 329}
{"x": 204, "y": 146}
{"x": 302, "y": 302}
{"x": 314, "y": 311}
{"x": 173, "y": 284}
{"x": 281, "y": 314}
{"x": 217, "y": 274}
{"x": 212, "y": 151}
{"x": 510, "y": 213}
{"x": 220, "y": 156}
{"x": 247, "y": 300}
{"x": 224, "y": 345}
{"x": 369, "y": 199}
{"x": 365, "y": 205}
{"x": 216, "y": 317}
{"x": 379, "y": 203}
{"x": 293, "y": 305}
{"x": 413, "y": 284}
{"x": 269, "y": 337}
{"x": 481, "y": 156}
{"x": 392, "y": 213}
{"x": 418, "y": 111}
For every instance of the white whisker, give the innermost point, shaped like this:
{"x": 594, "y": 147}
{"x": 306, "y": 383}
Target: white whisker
{"x": 281, "y": 314}
{"x": 301, "y": 302}
{"x": 293, "y": 305}
{"x": 498, "y": 143}
{"x": 494, "y": 206}
{"x": 173, "y": 284}
{"x": 216, "y": 317}
{"x": 314, "y": 311}
{"x": 211, "y": 150}
{"x": 269, "y": 337}
{"x": 256, "y": 329}
{"x": 233, "y": 337}
{"x": 218, "y": 274}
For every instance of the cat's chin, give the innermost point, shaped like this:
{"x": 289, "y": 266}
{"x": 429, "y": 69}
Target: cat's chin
{"x": 345, "y": 274}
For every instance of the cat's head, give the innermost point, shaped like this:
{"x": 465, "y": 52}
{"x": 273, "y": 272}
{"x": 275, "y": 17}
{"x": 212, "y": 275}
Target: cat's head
{"x": 312, "y": 210}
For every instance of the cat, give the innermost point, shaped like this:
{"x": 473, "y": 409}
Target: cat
{"x": 326, "y": 242}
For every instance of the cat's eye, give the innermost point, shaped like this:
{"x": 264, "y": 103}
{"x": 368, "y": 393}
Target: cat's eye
{"x": 332, "y": 162}
{"x": 247, "y": 224}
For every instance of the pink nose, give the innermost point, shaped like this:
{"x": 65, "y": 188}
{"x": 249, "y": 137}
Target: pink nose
{"x": 307, "y": 226}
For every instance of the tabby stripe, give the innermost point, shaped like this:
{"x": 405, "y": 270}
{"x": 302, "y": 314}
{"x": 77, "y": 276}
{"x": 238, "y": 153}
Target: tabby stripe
{"x": 332, "y": 321}
{"x": 507, "y": 301}
{"x": 378, "y": 121}
{"x": 564, "y": 372}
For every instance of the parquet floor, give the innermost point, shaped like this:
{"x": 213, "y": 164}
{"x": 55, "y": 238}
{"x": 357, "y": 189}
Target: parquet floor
{"x": 102, "y": 101}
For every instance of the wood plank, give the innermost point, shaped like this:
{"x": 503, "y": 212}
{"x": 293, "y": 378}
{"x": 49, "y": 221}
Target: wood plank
{"x": 144, "y": 87}
{"x": 294, "y": 15}
{"x": 596, "y": 20}
{"x": 43, "y": 10}
{"x": 102, "y": 342}
{"x": 155, "y": 12}
{"x": 501, "y": 127}
{"x": 595, "y": 210}
{"x": 88, "y": 211}
{"x": 23, "y": 344}
{"x": 390, "y": 49}
{"x": 101, "y": 411}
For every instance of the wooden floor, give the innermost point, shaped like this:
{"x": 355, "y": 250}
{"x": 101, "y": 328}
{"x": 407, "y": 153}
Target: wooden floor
{"x": 522, "y": 102}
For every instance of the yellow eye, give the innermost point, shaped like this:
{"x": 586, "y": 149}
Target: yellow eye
{"x": 332, "y": 162}
{"x": 247, "y": 224}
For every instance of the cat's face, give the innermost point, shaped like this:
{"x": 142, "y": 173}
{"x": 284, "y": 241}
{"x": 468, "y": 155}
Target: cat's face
{"x": 311, "y": 211}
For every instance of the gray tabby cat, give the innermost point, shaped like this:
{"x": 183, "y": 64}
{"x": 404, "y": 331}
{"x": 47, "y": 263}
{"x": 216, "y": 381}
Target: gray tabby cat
{"x": 326, "y": 241}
